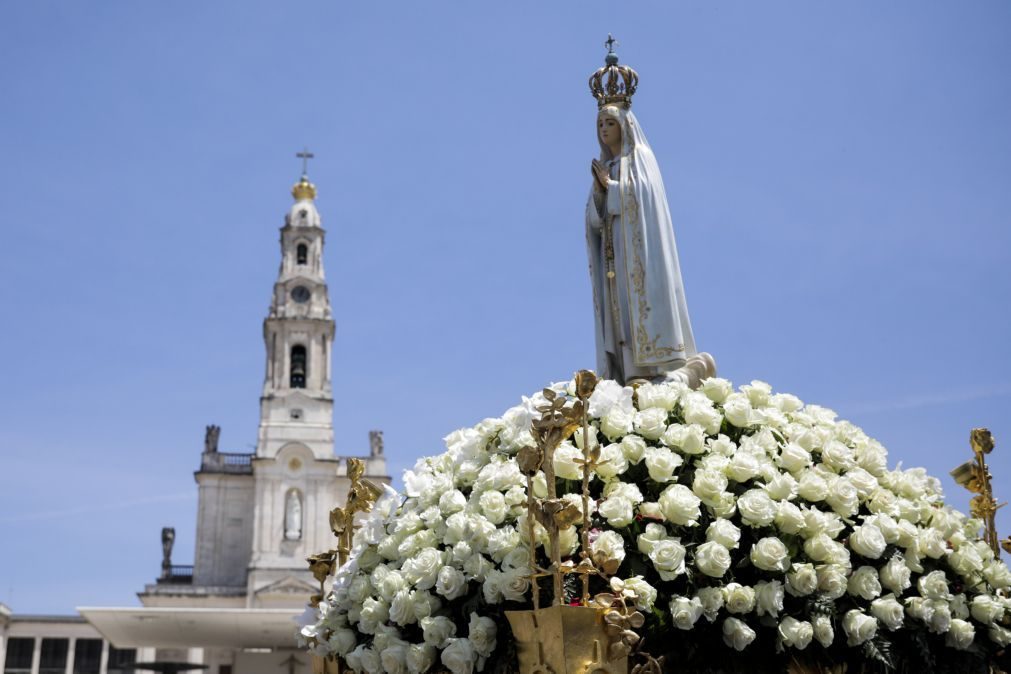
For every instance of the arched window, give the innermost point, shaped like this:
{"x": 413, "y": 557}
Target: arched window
{"x": 302, "y": 254}
{"x": 298, "y": 366}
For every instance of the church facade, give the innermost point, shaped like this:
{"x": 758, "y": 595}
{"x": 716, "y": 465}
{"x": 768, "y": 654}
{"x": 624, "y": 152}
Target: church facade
{"x": 259, "y": 515}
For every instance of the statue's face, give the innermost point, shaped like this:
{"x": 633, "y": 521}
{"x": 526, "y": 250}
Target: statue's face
{"x": 609, "y": 131}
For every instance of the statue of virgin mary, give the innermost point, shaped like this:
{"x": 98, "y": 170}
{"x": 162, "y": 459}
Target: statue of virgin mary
{"x": 641, "y": 317}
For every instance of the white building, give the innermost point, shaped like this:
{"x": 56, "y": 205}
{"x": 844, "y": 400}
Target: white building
{"x": 259, "y": 515}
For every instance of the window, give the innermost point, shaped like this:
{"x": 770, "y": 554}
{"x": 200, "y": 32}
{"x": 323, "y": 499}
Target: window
{"x": 118, "y": 657}
{"x": 87, "y": 656}
{"x": 54, "y": 656}
{"x": 224, "y": 669}
{"x": 298, "y": 369}
{"x": 19, "y": 655}
{"x": 302, "y": 254}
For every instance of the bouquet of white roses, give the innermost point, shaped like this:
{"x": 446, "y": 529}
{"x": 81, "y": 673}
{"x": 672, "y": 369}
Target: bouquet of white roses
{"x": 748, "y": 528}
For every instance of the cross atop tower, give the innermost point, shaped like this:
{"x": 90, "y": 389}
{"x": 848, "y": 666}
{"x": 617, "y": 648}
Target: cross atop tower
{"x": 609, "y": 43}
{"x": 305, "y": 156}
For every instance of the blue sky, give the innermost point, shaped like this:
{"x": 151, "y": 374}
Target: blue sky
{"x": 839, "y": 175}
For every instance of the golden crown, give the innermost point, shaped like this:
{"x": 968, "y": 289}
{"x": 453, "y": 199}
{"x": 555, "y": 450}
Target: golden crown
{"x": 613, "y": 84}
{"x": 303, "y": 189}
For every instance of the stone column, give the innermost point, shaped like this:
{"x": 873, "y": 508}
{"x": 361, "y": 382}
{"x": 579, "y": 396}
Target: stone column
{"x": 71, "y": 647}
{"x": 36, "y": 655}
{"x": 103, "y": 661}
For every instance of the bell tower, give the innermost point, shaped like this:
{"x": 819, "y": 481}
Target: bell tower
{"x": 297, "y": 400}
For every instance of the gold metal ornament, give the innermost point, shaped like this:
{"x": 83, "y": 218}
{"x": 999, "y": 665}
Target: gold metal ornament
{"x": 596, "y": 636}
{"x": 975, "y": 476}
{"x": 362, "y": 494}
{"x": 613, "y": 84}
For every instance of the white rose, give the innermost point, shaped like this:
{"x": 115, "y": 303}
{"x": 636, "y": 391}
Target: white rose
{"x": 859, "y": 627}
{"x": 494, "y": 507}
{"x": 895, "y": 575}
{"x": 737, "y": 634}
{"x": 459, "y": 656}
{"x": 716, "y": 389}
{"x": 832, "y": 580}
{"x": 794, "y": 458}
{"x": 679, "y": 505}
{"x": 837, "y": 456}
{"x": 703, "y": 414}
{"x": 477, "y": 566}
{"x": 724, "y": 532}
{"x": 342, "y": 641}
{"x": 664, "y": 395}
{"x": 685, "y": 612}
{"x": 650, "y": 537}
{"x": 401, "y": 611}
{"x": 422, "y": 570}
{"x": 756, "y": 508}
{"x": 651, "y": 422}
{"x": 481, "y": 632}
{"x": 823, "y": 631}
{"x": 609, "y": 545}
{"x": 931, "y": 543}
{"x": 812, "y": 487}
{"x": 795, "y": 633}
{"x": 668, "y": 557}
{"x": 709, "y": 486}
{"x": 616, "y": 423}
{"x": 612, "y": 462}
{"x": 712, "y": 559}
{"x": 939, "y": 615}
{"x": 864, "y": 583}
{"x": 802, "y": 580}
{"x": 769, "y": 597}
{"x": 634, "y": 448}
{"x": 781, "y": 487}
{"x": 394, "y": 658}
{"x": 960, "y": 635}
{"x": 452, "y": 502}
{"x": 360, "y": 588}
{"x": 566, "y": 462}
{"x": 743, "y": 466}
{"x": 738, "y": 598}
{"x": 966, "y": 560}
{"x": 690, "y": 438}
{"x": 651, "y": 511}
{"x": 738, "y": 412}
{"x": 770, "y": 554}
{"x": 712, "y": 601}
{"x": 999, "y": 635}
{"x": 374, "y": 612}
{"x": 934, "y": 585}
{"x": 867, "y": 541}
{"x": 364, "y": 659}
{"x": 789, "y": 518}
{"x": 661, "y": 463}
{"x": 619, "y": 512}
{"x": 888, "y": 611}
{"x": 720, "y": 446}
{"x": 643, "y": 592}
{"x": 436, "y": 631}
{"x": 842, "y": 497}
{"x": 986, "y": 609}
{"x": 607, "y": 395}
{"x": 450, "y": 583}
{"x": 420, "y": 657}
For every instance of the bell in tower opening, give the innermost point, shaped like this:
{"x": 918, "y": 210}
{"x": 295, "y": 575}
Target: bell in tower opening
{"x": 298, "y": 369}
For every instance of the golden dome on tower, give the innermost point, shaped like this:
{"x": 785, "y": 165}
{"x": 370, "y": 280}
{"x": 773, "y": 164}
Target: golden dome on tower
{"x": 303, "y": 189}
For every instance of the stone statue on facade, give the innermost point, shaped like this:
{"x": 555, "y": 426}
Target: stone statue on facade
{"x": 641, "y": 322}
{"x": 211, "y": 434}
{"x": 168, "y": 539}
{"x": 376, "y": 443}
{"x": 293, "y": 516}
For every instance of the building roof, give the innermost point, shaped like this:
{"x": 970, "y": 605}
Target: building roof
{"x": 170, "y": 627}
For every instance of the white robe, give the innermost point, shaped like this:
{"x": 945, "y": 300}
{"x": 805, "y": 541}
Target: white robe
{"x": 642, "y": 327}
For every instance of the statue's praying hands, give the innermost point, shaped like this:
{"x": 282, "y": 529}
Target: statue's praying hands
{"x": 600, "y": 175}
